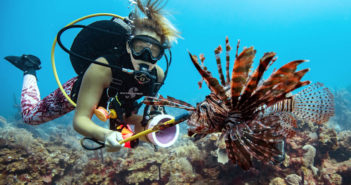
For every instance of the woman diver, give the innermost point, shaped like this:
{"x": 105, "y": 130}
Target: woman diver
{"x": 109, "y": 87}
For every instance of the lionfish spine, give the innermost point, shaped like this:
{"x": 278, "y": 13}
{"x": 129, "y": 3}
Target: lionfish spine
{"x": 273, "y": 85}
{"x": 211, "y": 82}
{"x": 237, "y": 49}
{"x": 240, "y": 73}
{"x": 293, "y": 82}
{"x": 227, "y": 57}
{"x": 257, "y": 75}
{"x": 270, "y": 64}
{"x": 202, "y": 58}
{"x": 217, "y": 51}
{"x": 286, "y": 105}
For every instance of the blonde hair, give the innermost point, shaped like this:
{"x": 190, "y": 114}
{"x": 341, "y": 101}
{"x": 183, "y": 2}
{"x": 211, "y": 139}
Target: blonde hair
{"x": 155, "y": 20}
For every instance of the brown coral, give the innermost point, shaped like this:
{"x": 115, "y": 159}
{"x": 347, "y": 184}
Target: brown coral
{"x": 37, "y": 164}
{"x": 24, "y": 158}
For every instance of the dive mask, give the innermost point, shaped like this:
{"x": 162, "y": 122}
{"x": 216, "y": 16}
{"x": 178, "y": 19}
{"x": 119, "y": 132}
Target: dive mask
{"x": 146, "y": 48}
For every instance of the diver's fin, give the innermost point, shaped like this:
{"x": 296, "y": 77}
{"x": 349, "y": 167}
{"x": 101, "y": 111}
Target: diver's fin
{"x": 25, "y": 62}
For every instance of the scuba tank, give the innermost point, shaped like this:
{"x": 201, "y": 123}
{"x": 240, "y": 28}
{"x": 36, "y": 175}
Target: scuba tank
{"x": 98, "y": 39}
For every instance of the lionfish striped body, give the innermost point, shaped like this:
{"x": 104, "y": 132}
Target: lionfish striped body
{"x": 255, "y": 116}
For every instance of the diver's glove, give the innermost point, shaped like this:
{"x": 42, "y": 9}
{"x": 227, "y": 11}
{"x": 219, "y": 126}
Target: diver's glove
{"x": 111, "y": 141}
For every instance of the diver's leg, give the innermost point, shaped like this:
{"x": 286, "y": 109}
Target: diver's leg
{"x": 36, "y": 111}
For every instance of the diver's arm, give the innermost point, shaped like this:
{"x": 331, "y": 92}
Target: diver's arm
{"x": 95, "y": 80}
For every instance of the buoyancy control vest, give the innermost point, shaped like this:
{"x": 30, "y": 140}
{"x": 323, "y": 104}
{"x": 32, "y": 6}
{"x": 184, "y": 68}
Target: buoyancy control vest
{"x": 92, "y": 43}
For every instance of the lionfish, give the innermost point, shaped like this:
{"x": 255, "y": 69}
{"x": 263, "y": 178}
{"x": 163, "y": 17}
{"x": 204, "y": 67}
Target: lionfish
{"x": 255, "y": 116}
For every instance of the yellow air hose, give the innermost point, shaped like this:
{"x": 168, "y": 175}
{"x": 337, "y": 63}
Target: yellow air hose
{"x": 154, "y": 129}
{"x": 54, "y": 45}
{"x": 159, "y": 127}
{"x": 145, "y": 132}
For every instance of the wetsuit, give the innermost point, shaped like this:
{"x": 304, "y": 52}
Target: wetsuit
{"x": 123, "y": 86}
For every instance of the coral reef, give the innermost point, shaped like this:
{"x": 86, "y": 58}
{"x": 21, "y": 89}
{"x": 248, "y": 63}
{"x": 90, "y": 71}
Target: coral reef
{"x": 51, "y": 154}
{"x": 293, "y": 179}
{"x": 143, "y": 165}
{"x": 316, "y": 155}
{"x": 342, "y": 118}
{"x": 25, "y": 159}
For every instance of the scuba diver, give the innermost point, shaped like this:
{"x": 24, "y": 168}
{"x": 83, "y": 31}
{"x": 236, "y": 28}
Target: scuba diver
{"x": 131, "y": 52}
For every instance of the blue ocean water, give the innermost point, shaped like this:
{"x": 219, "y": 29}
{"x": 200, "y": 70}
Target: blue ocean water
{"x": 314, "y": 30}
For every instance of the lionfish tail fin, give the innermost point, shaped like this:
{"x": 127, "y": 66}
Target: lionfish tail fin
{"x": 315, "y": 104}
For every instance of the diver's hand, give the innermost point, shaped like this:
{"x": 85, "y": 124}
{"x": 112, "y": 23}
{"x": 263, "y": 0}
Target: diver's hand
{"x": 111, "y": 141}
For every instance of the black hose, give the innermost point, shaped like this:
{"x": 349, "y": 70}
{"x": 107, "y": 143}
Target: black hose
{"x": 92, "y": 148}
{"x": 79, "y": 56}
